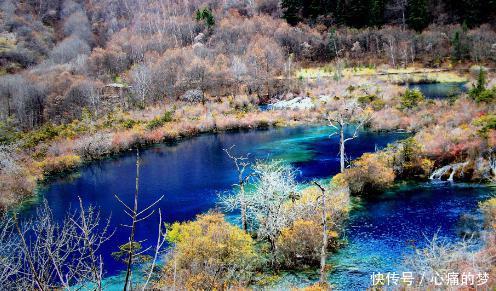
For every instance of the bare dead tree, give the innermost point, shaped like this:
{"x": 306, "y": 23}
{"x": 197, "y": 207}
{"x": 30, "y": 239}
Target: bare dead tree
{"x": 162, "y": 231}
{"x": 239, "y": 200}
{"x": 45, "y": 254}
{"x": 142, "y": 81}
{"x": 340, "y": 119}
{"x": 390, "y": 45}
{"x": 10, "y": 265}
{"x": 132, "y": 249}
{"x": 88, "y": 220}
{"x": 399, "y": 7}
{"x": 323, "y": 250}
{"x": 275, "y": 185}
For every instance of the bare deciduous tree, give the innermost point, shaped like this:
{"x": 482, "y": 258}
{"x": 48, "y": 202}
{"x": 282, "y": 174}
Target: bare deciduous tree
{"x": 346, "y": 113}
{"x": 131, "y": 251}
{"x": 142, "y": 81}
{"x": 398, "y": 7}
{"x": 275, "y": 185}
{"x": 46, "y": 255}
{"x": 239, "y": 200}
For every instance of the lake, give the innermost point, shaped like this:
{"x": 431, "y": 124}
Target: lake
{"x": 385, "y": 229}
{"x": 440, "y": 90}
{"x": 191, "y": 173}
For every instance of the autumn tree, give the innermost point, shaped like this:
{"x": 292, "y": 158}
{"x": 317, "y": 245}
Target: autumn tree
{"x": 208, "y": 253}
{"x": 315, "y": 221}
{"x": 265, "y": 59}
{"x": 141, "y": 83}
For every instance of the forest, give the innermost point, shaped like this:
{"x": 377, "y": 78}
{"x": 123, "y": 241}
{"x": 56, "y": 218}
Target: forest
{"x": 246, "y": 144}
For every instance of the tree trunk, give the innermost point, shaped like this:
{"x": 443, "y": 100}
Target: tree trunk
{"x": 244, "y": 224}
{"x": 128, "y": 285}
{"x": 341, "y": 148}
{"x": 323, "y": 251}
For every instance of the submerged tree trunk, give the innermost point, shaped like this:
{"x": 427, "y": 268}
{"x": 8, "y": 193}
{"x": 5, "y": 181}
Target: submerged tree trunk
{"x": 341, "y": 148}
{"x": 127, "y": 283}
{"x": 323, "y": 250}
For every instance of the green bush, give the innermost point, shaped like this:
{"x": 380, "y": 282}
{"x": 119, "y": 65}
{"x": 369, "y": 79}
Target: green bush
{"x": 128, "y": 123}
{"x": 378, "y": 104}
{"x": 366, "y": 99}
{"x": 44, "y": 133}
{"x": 479, "y": 92}
{"x": 487, "y": 95}
{"x": 8, "y": 133}
{"x": 486, "y": 122}
{"x": 206, "y": 16}
{"x": 411, "y": 98}
{"x": 375, "y": 102}
{"x": 160, "y": 120}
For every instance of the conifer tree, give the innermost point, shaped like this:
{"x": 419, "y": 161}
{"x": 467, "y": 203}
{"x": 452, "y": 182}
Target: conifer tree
{"x": 417, "y": 15}
{"x": 291, "y": 11}
{"x": 377, "y": 12}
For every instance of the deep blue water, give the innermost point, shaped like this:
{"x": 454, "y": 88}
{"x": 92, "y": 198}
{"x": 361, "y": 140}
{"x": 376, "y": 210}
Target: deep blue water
{"x": 440, "y": 90}
{"x": 384, "y": 230}
{"x": 192, "y": 172}
{"x": 387, "y": 228}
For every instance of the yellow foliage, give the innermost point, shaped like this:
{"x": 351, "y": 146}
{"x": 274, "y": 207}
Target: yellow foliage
{"x": 300, "y": 244}
{"x": 488, "y": 208}
{"x": 210, "y": 253}
{"x": 60, "y": 163}
{"x": 316, "y": 287}
{"x": 371, "y": 172}
{"x": 426, "y": 165}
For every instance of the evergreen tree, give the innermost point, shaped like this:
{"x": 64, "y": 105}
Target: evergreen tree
{"x": 459, "y": 47}
{"x": 377, "y": 12}
{"x": 417, "y": 15}
{"x": 480, "y": 86}
{"x": 311, "y": 9}
{"x": 354, "y": 13}
{"x": 207, "y": 16}
{"x": 339, "y": 13}
{"x": 291, "y": 11}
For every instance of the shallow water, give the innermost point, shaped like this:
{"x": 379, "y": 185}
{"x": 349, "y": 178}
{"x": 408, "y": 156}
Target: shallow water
{"x": 440, "y": 90}
{"x": 192, "y": 172}
{"x": 384, "y": 230}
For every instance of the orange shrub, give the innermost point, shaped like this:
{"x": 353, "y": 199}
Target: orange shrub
{"x": 293, "y": 251}
{"x": 59, "y": 164}
{"x": 370, "y": 173}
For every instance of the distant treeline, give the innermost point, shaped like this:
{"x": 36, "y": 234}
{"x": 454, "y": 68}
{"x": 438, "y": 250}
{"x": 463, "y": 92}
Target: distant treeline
{"x": 58, "y": 58}
{"x": 417, "y": 14}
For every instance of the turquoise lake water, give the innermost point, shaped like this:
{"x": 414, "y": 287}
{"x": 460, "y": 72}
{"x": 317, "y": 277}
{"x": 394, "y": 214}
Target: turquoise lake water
{"x": 192, "y": 172}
